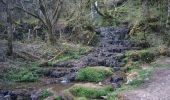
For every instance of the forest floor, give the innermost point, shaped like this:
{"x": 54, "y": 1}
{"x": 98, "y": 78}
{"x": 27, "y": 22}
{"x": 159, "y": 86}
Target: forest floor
{"x": 157, "y": 87}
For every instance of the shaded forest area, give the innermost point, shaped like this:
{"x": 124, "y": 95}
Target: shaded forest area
{"x": 57, "y": 49}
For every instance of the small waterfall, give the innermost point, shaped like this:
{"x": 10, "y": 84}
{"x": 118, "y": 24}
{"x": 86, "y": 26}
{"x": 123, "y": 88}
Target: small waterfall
{"x": 109, "y": 53}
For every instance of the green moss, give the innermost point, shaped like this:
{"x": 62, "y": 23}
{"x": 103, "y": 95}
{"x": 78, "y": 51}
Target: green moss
{"x": 90, "y": 92}
{"x": 45, "y": 94}
{"x": 93, "y": 74}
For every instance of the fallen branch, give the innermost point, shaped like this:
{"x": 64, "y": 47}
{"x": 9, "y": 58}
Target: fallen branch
{"x": 45, "y": 63}
{"x": 57, "y": 55}
{"x": 26, "y": 56}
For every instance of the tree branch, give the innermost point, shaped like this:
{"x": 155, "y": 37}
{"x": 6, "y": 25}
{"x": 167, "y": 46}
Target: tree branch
{"x": 43, "y": 10}
{"x": 56, "y": 9}
{"x": 57, "y": 12}
{"x": 100, "y": 13}
{"x": 34, "y": 15}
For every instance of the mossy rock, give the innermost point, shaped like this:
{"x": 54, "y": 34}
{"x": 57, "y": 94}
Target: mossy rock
{"x": 90, "y": 90}
{"x": 93, "y": 74}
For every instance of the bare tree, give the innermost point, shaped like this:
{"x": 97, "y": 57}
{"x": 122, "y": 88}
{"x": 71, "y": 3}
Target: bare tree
{"x": 47, "y": 15}
{"x": 7, "y": 5}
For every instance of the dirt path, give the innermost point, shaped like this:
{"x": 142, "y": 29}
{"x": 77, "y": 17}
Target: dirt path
{"x": 157, "y": 88}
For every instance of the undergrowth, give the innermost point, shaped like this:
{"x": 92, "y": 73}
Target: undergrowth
{"x": 27, "y": 73}
{"x": 71, "y": 51}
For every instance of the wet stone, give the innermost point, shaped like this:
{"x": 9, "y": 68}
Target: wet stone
{"x": 116, "y": 79}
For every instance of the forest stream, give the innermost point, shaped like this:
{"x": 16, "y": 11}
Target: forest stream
{"x": 109, "y": 52}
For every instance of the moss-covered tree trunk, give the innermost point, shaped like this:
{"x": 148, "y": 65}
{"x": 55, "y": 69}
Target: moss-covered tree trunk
{"x": 9, "y": 30}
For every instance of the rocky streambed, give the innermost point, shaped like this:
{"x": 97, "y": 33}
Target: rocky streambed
{"x": 108, "y": 53}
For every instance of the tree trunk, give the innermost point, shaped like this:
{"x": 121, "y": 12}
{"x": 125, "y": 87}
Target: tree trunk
{"x": 9, "y": 30}
{"x": 51, "y": 37}
{"x": 145, "y": 9}
{"x": 168, "y": 17}
{"x": 145, "y": 16}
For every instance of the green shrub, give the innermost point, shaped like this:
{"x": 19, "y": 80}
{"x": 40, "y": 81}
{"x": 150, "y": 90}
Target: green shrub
{"x": 90, "y": 92}
{"x": 93, "y": 74}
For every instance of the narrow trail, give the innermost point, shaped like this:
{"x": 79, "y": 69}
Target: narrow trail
{"x": 157, "y": 88}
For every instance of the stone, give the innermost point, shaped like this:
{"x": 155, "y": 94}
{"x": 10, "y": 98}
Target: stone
{"x": 35, "y": 95}
{"x": 116, "y": 79}
{"x": 100, "y": 83}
